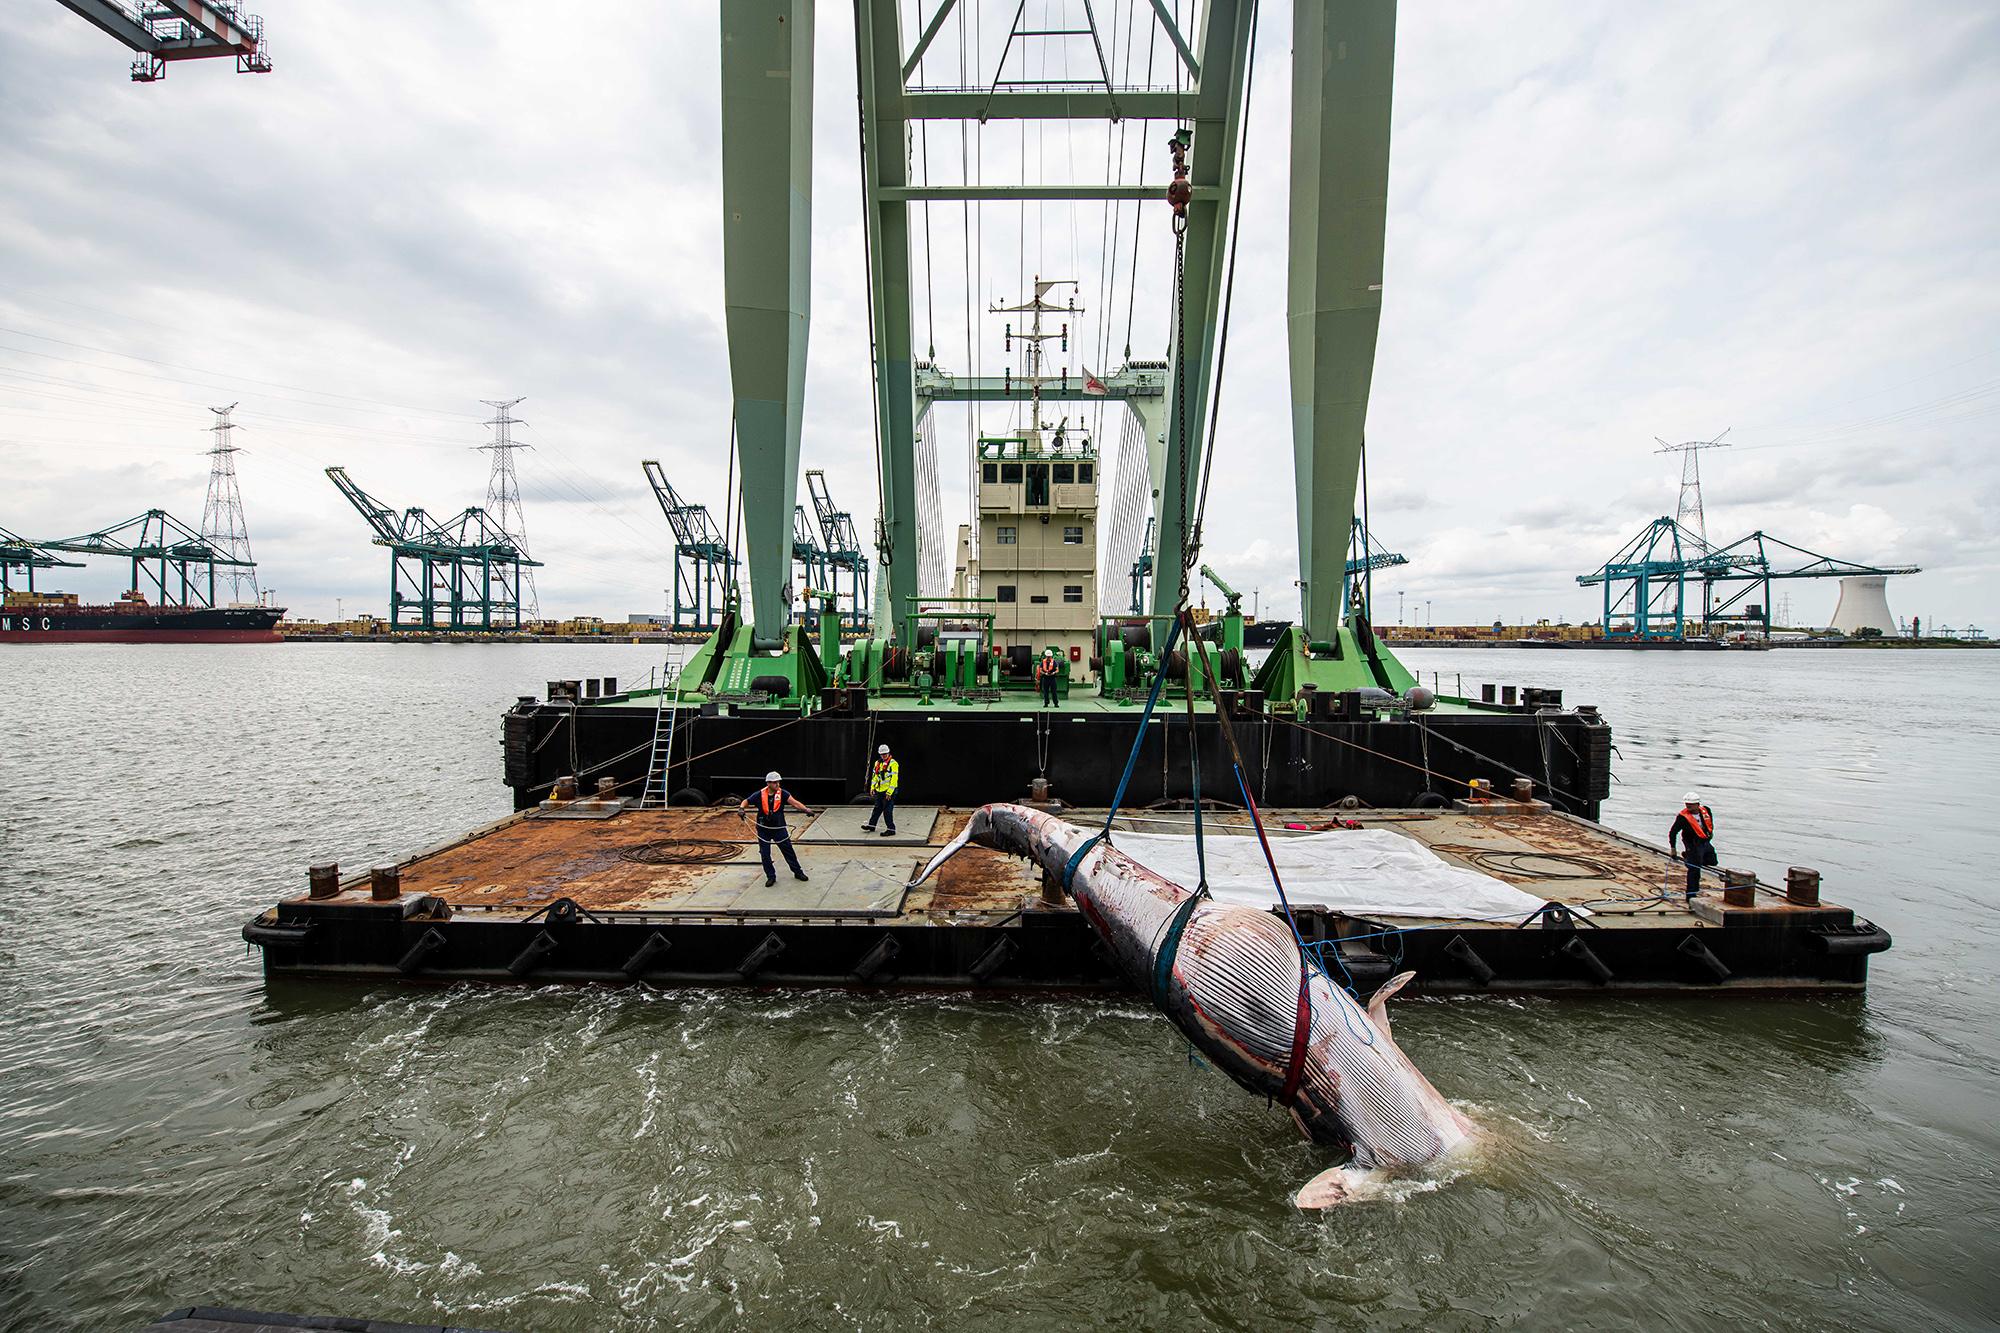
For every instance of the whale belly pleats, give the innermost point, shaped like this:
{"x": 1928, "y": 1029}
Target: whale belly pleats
{"x": 1240, "y": 969}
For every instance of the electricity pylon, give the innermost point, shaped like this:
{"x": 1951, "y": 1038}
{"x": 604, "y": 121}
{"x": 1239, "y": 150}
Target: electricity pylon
{"x": 1689, "y": 514}
{"x": 222, "y": 524}
{"x": 503, "y": 496}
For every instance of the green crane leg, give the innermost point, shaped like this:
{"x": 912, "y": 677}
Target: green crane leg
{"x": 767, "y": 87}
{"x": 1218, "y": 124}
{"x": 885, "y": 166}
{"x": 1343, "y": 66}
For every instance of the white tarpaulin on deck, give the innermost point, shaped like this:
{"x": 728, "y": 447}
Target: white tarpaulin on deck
{"x": 1367, "y": 872}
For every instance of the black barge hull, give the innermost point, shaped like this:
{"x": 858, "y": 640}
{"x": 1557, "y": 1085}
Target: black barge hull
{"x": 962, "y": 757}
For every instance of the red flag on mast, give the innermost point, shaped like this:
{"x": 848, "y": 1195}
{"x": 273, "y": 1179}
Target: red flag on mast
{"x": 1093, "y": 386}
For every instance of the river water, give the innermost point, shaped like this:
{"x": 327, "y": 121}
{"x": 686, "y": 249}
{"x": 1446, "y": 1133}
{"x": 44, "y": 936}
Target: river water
{"x": 176, "y": 1131}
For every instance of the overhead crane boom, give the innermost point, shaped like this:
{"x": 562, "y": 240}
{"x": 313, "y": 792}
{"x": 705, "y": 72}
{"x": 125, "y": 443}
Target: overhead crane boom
{"x": 164, "y": 30}
{"x": 843, "y": 552}
{"x": 704, "y": 566}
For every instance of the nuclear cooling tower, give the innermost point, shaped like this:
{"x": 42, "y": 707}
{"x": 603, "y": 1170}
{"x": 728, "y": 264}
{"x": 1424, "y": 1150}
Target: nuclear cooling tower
{"x": 1863, "y": 605}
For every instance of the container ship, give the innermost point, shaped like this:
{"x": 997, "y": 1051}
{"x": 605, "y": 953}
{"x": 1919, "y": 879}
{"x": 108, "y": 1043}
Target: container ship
{"x": 61, "y": 618}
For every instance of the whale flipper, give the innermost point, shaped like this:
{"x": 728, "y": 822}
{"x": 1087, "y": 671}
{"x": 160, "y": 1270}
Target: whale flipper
{"x": 1378, "y": 1004}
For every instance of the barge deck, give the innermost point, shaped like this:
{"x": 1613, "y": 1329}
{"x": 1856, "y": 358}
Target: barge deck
{"x": 607, "y": 893}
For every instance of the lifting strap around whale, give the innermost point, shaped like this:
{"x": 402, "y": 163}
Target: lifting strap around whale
{"x": 1302, "y": 1024}
{"x": 1131, "y": 762}
{"x": 1170, "y": 945}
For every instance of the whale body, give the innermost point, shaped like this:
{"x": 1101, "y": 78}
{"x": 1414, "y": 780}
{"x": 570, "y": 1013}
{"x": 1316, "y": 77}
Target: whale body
{"x": 1233, "y": 987}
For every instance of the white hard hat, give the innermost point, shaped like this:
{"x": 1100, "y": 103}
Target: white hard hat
{"x": 772, "y": 776}
{"x": 1692, "y": 798}
{"x": 881, "y": 749}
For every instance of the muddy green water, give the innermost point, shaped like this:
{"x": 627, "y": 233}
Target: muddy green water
{"x": 174, "y": 1131}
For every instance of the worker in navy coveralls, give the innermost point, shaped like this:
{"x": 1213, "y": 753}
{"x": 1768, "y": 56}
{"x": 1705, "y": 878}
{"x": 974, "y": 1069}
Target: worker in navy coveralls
{"x": 1694, "y": 826}
{"x": 771, "y": 800}
{"x": 1047, "y": 672}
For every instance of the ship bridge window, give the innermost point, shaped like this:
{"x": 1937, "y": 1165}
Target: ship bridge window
{"x": 1010, "y": 473}
{"x": 990, "y": 473}
{"x": 1085, "y": 473}
{"x": 1008, "y": 536}
{"x": 1038, "y": 599}
{"x": 1065, "y": 473}
{"x": 1072, "y": 592}
{"x": 1004, "y": 593}
{"x": 1072, "y": 536}
{"x": 1038, "y": 484}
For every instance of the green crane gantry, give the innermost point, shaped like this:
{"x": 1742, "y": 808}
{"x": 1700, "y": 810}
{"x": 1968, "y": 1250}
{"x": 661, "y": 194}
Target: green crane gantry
{"x": 1646, "y": 583}
{"x": 17, "y": 552}
{"x": 1342, "y": 58}
{"x": 162, "y": 551}
{"x": 464, "y": 566}
{"x": 844, "y": 559}
{"x": 704, "y": 566}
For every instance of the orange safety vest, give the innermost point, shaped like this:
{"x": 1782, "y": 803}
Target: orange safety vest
{"x": 1046, "y": 667}
{"x": 770, "y": 802}
{"x": 1701, "y": 822}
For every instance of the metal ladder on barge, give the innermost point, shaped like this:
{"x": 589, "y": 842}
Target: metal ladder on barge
{"x": 654, "y": 795}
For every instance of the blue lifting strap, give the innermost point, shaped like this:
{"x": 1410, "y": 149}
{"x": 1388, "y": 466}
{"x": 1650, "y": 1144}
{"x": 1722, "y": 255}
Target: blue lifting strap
{"x": 1170, "y": 945}
{"x": 1131, "y": 762}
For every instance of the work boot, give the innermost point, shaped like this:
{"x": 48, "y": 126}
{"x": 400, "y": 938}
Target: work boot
{"x": 867, "y": 828}
{"x": 800, "y": 876}
{"x": 888, "y": 833}
{"x": 769, "y": 880}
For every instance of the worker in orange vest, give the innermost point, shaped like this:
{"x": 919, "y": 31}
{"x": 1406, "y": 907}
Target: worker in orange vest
{"x": 1694, "y": 827}
{"x": 771, "y": 799}
{"x": 1046, "y": 672}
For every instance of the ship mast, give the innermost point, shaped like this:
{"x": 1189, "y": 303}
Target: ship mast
{"x": 1035, "y": 360}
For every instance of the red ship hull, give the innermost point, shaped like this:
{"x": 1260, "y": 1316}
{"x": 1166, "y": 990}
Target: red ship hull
{"x": 140, "y": 624}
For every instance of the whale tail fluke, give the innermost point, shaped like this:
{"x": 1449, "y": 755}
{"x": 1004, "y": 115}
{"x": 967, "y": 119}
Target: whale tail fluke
{"x": 1340, "y": 1184}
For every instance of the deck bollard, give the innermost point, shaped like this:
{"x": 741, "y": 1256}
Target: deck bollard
{"x": 385, "y": 883}
{"x": 1524, "y": 789}
{"x": 607, "y": 789}
{"x": 1802, "y": 886}
{"x": 1739, "y": 888}
{"x": 565, "y": 790}
{"x": 323, "y": 880}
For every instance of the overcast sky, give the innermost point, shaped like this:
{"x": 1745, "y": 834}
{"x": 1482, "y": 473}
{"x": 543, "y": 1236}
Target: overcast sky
{"x": 1608, "y": 222}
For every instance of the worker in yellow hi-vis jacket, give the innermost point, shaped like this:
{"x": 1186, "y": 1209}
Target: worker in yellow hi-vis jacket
{"x": 882, "y": 778}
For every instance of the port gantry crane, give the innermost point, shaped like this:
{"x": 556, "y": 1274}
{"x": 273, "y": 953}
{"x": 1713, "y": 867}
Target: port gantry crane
{"x": 162, "y": 550}
{"x": 807, "y": 554}
{"x": 17, "y": 552}
{"x": 465, "y": 566}
{"x": 1342, "y": 56}
{"x": 842, "y": 553}
{"x": 164, "y": 30}
{"x": 704, "y": 566}
{"x": 1142, "y": 569}
{"x": 1646, "y": 583}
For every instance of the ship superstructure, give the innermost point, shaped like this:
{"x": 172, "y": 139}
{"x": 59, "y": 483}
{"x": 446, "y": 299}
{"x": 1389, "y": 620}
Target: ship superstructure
{"x": 1037, "y": 547}
{"x": 1031, "y": 549}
